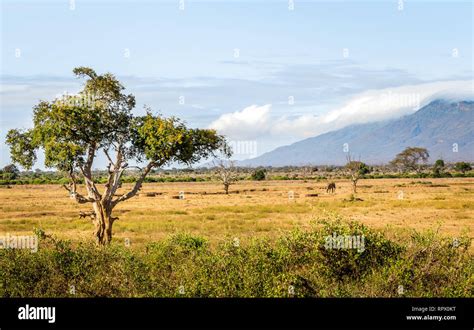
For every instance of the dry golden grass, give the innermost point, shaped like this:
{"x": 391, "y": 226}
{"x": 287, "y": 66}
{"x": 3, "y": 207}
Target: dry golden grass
{"x": 259, "y": 209}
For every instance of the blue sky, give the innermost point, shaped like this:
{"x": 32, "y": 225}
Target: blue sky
{"x": 323, "y": 55}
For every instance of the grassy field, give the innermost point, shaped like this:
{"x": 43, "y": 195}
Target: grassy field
{"x": 253, "y": 209}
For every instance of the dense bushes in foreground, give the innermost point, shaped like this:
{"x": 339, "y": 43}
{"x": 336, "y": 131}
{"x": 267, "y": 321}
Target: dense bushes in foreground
{"x": 299, "y": 264}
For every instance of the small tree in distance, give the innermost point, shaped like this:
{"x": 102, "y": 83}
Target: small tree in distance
{"x": 226, "y": 173}
{"x": 10, "y": 172}
{"x": 462, "y": 167}
{"x": 73, "y": 130}
{"x": 356, "y": 170}
{"x": 411, "y": 159}
{"x": 438, "y": 168}
{"x": 259, "y": 174}
{"x": 225, "y": 168}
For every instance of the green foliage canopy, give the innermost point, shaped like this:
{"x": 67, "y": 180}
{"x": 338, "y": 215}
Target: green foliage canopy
{"x": 462, "y": 167}
{"x": 72, "y": 128}
{"x": 411, "y": 159}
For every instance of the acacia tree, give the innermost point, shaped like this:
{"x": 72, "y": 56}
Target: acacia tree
{"x": 438, "y": 168}
{"x": 462, "y": 167}
{"x": 225, "y": 168}
{"x": 356, "y": 170}
{"x": 411, "y": 159}
{"x": 10, "y": 172}
{"x": 74, "y": 129}
{"x": 226, "y": 173}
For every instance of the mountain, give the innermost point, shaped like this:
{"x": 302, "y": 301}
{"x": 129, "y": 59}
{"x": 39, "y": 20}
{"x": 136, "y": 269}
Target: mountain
{"x": 436, "y": 127}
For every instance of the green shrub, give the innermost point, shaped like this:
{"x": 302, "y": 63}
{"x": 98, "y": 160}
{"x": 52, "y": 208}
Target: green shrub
{"x": 370, "y": 250}
{"x": 299, "y": 263}
{"x": 259, "y": 174}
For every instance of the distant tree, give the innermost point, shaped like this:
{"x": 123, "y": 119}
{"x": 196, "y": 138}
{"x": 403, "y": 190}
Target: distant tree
{"x": 259, "y": 174}
{"x": 72, "y": 130}
{"x": 225, "y": 169}
{"x": 462, "y": 167}
{"x": 364, "y": 169}
{"x": 411, "y": 159}
{"x": 438, "y": 168}
{"x": 439, "y": 163}
{"x": 356, "y": 171}
{"x": 10, "y": 172}
{"x": 308, "y": 170}
{"x": 226, "y": 173}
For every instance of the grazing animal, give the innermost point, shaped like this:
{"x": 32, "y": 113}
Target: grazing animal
{"x": 331, "y": 187}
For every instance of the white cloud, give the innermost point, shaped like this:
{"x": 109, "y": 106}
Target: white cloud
{"x": 246, "y": 124}
{"x": 370, "y": 106}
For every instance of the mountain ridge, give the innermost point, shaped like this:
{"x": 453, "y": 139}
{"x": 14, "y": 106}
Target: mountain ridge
{"x": 441, "y": 126}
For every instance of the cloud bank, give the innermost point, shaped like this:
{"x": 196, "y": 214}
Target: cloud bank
{"x": 257, "y": 122}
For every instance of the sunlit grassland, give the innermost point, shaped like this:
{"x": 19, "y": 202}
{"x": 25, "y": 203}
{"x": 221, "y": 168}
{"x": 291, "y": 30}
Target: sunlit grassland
{"x": 259, "y": 209}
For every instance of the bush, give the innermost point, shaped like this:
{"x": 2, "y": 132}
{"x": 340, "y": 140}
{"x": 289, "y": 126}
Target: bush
{"x": 259, "y": 174}
{"x": 373, "y": 250}
{"x": 299, "y": 264}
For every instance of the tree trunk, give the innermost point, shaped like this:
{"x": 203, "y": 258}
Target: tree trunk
{"x": 226, "y": 188}
{"x": 103, "y": 223}
{"x": 354, "y": 186}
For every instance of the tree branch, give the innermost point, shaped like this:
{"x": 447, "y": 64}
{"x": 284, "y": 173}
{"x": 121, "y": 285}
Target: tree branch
{"x": 113, "y": 181}
{"x": 87, "y": 173}
{"x": 90, "y": 185}
{"x": 137, "y": 185}
{"x": 73, "y": 191}
{"x": 108, "y": 157}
